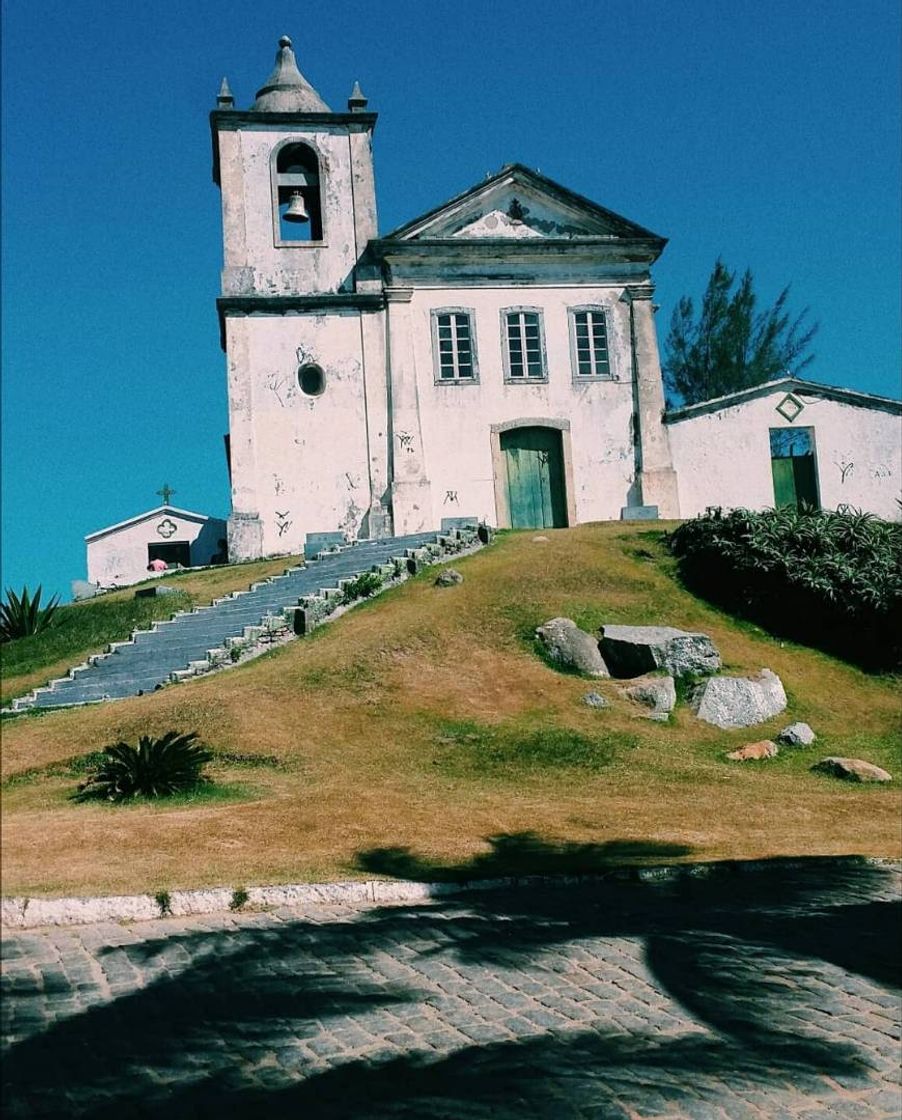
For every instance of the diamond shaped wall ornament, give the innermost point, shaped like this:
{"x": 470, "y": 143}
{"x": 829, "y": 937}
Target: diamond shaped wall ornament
{"x": 790, "y": 407}
{"x": 166, "y": 528}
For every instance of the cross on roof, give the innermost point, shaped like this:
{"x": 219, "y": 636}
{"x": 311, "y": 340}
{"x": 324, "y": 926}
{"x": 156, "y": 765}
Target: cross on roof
{"x": 166, "y": 493}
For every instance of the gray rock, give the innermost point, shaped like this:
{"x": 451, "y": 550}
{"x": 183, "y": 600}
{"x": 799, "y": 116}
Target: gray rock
{"x": 739, "y": 701}
{"x": 657, "y": 693}
{"x": 573, "y": 648}
{"x": 630, "y": 651}
{"x": 852, "y": 770}
{"x": 797, "y": 735}
{"x": 448, "y": 578}
{"x": 595, "y": 700}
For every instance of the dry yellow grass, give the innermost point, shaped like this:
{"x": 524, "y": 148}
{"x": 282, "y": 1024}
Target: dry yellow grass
{"x": 425, "y": 720}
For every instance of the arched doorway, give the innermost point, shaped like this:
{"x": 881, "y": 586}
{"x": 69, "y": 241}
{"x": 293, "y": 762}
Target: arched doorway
{"x": 534, "y": 472}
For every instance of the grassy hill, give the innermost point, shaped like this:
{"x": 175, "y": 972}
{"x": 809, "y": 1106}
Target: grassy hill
{"x": 425, "y": 720}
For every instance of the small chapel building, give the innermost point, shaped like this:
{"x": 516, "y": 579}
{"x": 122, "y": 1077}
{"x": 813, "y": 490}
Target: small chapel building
{"x": 495, "y": 359}
{"x": 120, "y": 554}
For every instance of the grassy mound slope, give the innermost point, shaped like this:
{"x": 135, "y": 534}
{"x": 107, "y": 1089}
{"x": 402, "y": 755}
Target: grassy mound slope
{"x": 424, "y": 720}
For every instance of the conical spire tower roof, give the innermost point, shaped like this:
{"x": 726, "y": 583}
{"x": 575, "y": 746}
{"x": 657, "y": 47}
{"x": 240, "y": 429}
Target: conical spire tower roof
{"x": 286, "y": 90}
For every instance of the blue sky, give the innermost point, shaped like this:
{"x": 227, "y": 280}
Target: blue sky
{"x": 765, "y": 132}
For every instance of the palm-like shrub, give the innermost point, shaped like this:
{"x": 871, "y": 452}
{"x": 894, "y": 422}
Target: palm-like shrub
{"x": 22, "y": 615}
{"x": 155, "y": 768}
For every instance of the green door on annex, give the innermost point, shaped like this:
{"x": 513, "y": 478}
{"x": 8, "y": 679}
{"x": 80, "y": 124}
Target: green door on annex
{"x": 535, "y": 478}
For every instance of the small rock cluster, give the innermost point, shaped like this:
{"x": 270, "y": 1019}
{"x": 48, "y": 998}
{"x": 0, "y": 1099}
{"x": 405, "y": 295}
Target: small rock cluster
{"x": 653, "y": 657}
{"x": 448, "y": 577}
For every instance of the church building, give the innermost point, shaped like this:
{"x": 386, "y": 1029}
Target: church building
{"x": 495, "y": 359}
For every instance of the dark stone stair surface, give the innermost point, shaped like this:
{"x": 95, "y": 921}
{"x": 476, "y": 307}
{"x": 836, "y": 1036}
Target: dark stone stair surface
{"x": 148, "y": 661}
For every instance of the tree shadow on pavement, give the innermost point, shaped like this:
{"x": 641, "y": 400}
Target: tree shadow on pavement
{"x": 737, "y": 984}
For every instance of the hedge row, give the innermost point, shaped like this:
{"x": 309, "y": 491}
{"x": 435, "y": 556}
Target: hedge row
{"x": 828, "y": 579}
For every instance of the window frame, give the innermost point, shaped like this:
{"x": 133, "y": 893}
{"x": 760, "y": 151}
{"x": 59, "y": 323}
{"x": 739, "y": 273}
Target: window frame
{"x": 589, "y": 378}
{"x": 278, "y": 241}
{"x": 470, "y": 314}
{"x": 512, "y": 379}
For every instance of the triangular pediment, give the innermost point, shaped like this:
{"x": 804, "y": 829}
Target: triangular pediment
{"x": 519, "y": 204}
{"x": 498, "y": 223}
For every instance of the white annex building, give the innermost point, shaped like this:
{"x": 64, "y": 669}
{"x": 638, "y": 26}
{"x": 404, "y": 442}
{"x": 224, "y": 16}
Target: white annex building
{"x": 120, "y": 554}
{"x": 494, "y": 359}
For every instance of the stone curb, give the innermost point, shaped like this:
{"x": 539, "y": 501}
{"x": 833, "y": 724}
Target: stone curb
{"x": 31, "y": 913}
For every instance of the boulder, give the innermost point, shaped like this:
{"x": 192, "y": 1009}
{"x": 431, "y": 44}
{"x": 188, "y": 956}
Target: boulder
{"x": 448, "y": 578}
{"x": 797, "y": 735}
{"x": 571, "y": 647}
{"x": 657, "y": 693}
{"x": 630, "y": 651}
{"x": 852, "y": 770}
{"x": 594, "y": 700}
{"x": 766, "y": 748}
{"x": 739, "y": 701}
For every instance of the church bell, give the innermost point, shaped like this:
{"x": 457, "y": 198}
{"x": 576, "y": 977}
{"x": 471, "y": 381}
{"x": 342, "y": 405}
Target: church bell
{"x": 297, "y": 211}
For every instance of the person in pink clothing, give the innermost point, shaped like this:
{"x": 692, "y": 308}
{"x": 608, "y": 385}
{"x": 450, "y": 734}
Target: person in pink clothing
{"x": 157, "y": 566}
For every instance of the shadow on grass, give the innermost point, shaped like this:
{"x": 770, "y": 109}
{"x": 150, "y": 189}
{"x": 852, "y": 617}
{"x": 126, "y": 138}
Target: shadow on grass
{"x": 520, "y": 853}
{"x": 688, "y": 991}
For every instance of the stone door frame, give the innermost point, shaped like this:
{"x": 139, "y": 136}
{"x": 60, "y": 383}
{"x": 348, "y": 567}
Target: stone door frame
{"x": 499, "y": 466}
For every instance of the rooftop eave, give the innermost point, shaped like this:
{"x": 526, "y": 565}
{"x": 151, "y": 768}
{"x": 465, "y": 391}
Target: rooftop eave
{"x": 150, "y": 515}
{"x": 795, "y": 385}
{"x": 634, "y": 249}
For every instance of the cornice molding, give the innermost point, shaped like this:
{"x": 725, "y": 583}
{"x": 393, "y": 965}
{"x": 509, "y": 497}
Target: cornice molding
{"x": 239, "y": 306}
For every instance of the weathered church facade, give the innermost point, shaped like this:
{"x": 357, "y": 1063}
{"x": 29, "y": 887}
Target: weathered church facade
{"x": 495, "y": 358}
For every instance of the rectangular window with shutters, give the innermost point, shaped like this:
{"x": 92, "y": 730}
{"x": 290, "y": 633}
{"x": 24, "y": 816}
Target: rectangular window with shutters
{"x": 589, "y": 344}
{"x": 454, "y": 346}
{"x": 524, "y": 345}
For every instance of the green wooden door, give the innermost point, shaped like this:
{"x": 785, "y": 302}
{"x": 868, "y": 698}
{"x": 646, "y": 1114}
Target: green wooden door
{"x": 535, "y": 478}
{"x": 794, "y": 467}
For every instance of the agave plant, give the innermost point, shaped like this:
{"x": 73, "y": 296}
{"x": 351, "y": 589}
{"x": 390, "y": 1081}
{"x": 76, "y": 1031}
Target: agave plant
{"x": 155, "y": 768}
{"x": 22, "y": 615}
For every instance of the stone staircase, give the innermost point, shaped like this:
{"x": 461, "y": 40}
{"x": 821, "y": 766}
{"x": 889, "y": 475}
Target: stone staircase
{"x": 194, "y": 642}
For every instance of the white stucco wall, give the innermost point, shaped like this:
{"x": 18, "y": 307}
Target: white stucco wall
{"x": 722, "y": 458}
{"x": 456, "y": 418}
{"x": 301, "y": 462}
{"x": 119, "y": 556}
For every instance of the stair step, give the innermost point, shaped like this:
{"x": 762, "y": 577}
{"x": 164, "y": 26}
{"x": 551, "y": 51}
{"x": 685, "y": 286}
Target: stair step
{"x": 191, "y": 641}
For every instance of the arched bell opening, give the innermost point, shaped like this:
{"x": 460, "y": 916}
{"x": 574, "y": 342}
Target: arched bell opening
{"x": 298, "y": 196}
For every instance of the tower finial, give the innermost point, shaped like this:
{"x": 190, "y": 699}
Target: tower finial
{"x": 357, "y": 102}
{"x": 225, "y": 100}
{"x": 286, "y": 90}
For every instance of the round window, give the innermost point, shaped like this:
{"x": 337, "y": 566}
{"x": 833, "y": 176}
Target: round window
{"x": 312, "y": 380}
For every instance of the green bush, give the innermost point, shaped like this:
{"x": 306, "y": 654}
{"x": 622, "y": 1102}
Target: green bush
{"x": 832, "y": 579}
{"x": 155, "y": 768}
{"x": 22, "y": 615}
{"x": 361, "y": 587}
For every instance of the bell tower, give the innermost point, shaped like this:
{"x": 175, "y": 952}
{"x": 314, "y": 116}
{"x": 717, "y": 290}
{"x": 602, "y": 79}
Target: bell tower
{"x": 298, "y": 311}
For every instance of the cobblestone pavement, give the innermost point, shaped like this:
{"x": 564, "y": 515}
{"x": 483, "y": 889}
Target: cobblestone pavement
{"x": 768, "y": 996}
